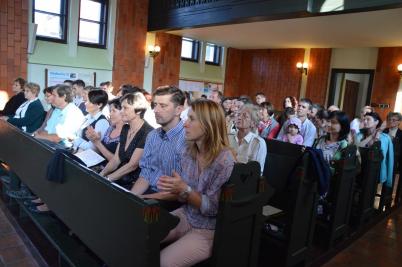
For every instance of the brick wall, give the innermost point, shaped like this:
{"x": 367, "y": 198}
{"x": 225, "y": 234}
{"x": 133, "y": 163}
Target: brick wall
{"x": 13, "y": 41}
{"x": 271, "y": 71}
{"x": 318, "y": 72}
{"x": 167, "y": 63}
{"x": 387, "y": 78}
{"x": 130, "y": 40}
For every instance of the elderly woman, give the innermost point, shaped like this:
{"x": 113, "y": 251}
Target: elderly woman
{"x": 123, "y": 168}
{"x": 29, "y": 116}
{"x": 97, "y": 100}
{"x": 372, "y": 133}
{"x": 108, "y": 144}
{"x": 246, "y": 143}
{"x": 207, "y": 164}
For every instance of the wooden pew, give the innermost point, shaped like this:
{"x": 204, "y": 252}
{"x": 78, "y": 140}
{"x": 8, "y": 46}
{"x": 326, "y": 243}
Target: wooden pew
{"x": 287, "y": 170}
{"x": 397, "y": 170}
{"x": 333, "y": 224}
{"x": 120, "y": 228}
{"x": 366, "y": 185}
{"x": 239, "y": 220}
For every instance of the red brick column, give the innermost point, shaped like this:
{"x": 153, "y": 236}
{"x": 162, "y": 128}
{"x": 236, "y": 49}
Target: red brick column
{"x": 130, "y": 40}
{"x": 13, "y": 41}
{"x": 167, "y": 63}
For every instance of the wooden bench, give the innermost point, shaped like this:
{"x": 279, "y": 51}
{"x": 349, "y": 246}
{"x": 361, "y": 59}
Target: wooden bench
{"x": 240, "y": 219}
{"x": 366, "y": 185}
{"x": 333, "y": 224}
{"x": 397, "y": 171}
{"x": 287, "y": 170}
{"x": 118, "y": 227}
{"x": 106, "y": 220}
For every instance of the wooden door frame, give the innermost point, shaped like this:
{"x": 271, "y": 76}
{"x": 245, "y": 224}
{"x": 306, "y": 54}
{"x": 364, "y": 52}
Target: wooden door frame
{"x": 332, "y": 84}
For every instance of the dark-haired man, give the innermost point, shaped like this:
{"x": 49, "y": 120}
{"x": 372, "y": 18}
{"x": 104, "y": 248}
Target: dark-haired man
{"x": 260, "y": 98}
{"x": 78, "y": 91}
{"x": 308, "y": 130}
{"x": 108, "y": 88}
{"x": 163, "y": 147}
{"x": 216, "y": 96}
{"x": 65, "y": 120}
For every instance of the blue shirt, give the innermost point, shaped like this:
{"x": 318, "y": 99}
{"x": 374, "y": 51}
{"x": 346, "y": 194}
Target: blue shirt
{"x": 65, "y": 122}
{"x": 162, "y": 154}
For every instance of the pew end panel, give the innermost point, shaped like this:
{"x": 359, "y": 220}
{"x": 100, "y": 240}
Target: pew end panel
{"x": 239, "y": 220}
{"x": 333, "y": 224}
{"x": 289, "y": 172}
{"x": 366, "y": 185}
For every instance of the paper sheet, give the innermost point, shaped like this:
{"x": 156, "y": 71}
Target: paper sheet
{"x": 90, "y": 157}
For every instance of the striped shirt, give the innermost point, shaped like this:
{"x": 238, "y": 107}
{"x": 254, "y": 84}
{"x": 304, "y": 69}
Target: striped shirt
{"x": 208, "y": 182}
{"x": 162, "y": 154}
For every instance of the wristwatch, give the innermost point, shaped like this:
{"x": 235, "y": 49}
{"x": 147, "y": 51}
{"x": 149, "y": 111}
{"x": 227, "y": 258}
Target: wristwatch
{"x": 184, "y": 194}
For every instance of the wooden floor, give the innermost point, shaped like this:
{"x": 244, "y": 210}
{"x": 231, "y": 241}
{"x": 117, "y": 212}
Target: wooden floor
{"x": 379, "y": 247}
{"x": 13, "y": 251}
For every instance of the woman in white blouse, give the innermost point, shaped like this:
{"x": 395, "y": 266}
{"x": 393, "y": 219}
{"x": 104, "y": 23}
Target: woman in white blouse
{"x": 30, "y": 115}
{"x": 246, "y": 143}
{"x": 97, "y": 100}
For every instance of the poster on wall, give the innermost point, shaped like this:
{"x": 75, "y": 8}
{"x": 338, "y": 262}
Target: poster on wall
{"x": 58, "y": 77}
{"x": 199, "y": 88}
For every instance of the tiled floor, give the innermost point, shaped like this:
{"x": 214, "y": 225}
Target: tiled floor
{"x": 13, "y": 252}
{"x": 379, "y": 247}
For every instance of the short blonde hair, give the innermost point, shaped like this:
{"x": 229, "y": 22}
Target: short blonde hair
{"x": 137, "y": 100}
{"x": 33, "y": 87}
{"x": 213, "y": 122}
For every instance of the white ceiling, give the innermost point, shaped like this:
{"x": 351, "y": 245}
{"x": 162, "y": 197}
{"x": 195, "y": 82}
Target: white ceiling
{"x": 366, "y": 29}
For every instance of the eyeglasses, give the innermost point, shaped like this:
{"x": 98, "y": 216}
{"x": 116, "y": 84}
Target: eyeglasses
{"x": 392, "y": 120}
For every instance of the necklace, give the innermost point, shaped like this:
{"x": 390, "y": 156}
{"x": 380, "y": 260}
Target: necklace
{"x": 133, "y": 132}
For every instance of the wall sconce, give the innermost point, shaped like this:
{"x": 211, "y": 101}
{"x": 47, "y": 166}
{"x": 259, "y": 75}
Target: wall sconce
{"x": 302, "y": 67}
{"x": 154, "y": 50}
{"x": 400, "y": 69}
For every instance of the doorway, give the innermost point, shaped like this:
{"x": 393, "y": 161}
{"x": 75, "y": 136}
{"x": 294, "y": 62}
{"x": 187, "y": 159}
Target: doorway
{"x": 350, "y": 90}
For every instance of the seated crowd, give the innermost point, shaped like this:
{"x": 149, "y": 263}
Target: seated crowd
{"x": 181, "y": 149}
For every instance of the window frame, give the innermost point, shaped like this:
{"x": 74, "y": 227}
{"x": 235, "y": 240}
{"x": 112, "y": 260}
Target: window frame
{"x": 64, "y": 22}
{"x": 195, "y": 50}
{"x": 217, "y": 55}
{"x": 103, "y": 26}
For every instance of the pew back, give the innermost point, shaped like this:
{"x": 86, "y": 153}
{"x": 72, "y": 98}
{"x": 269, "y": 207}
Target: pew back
{"x": 333, "y": 224}
{"x": 117, "y": 226}
{"x": 366, "y": 184}
{"x": 288, "y": 171}
{"x": 239, "y": 220}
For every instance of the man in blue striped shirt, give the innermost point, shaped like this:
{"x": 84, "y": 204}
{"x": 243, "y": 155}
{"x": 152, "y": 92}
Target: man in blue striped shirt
{"x": 164, "y": 146}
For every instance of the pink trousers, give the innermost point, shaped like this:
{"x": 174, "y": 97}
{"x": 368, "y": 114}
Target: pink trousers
{"x": 190, "y": 247}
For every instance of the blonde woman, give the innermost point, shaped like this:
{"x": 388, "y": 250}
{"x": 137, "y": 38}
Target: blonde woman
{"x": 30, "y": 114}
{"x": 124, "y": 168}
{"x": 207, "y": 164}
